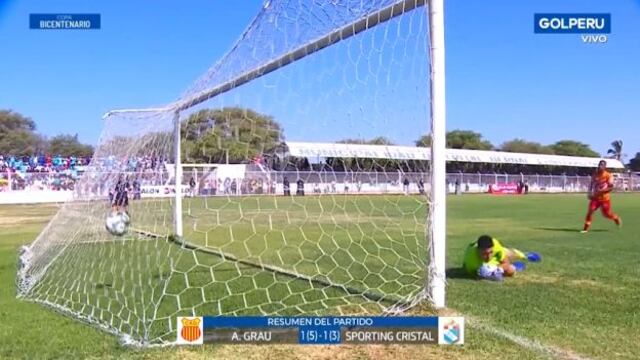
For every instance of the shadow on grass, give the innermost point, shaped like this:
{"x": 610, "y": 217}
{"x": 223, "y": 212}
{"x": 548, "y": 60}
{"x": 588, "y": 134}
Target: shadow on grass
{"x": 568, "y": 229}
{"x": 458, "y": 273}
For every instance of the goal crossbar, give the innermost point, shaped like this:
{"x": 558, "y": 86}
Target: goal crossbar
{"x": 349, "y": 30}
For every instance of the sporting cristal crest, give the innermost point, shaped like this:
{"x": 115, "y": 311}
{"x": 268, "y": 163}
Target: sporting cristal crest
{"x": 452, "y": 332}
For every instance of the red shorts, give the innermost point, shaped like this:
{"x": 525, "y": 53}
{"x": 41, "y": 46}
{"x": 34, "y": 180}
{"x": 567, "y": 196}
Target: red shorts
{"x": 604, "y": 204}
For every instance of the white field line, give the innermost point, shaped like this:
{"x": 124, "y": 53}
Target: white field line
{"x": 530, "y": 344}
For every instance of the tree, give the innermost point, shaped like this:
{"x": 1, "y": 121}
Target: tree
{"x": 466, "y": 139}
{"x": 573, "y": 148}
{"x": 424, "y": 141}
{"x": 18, "y": 137}
{"x": 13, "y": 121}
{"x": 18, "y": 134}
{"x": 230, "y": 134}
{"x": 616, "y": 150}
{"x": 634, "y": 163}
{"x": 524, "y": 146}
{"x": 352, "y": 141}
{"x": 380, "y": 140}
{"x": 459, "y": 139}
{"x": 69, "y": 145}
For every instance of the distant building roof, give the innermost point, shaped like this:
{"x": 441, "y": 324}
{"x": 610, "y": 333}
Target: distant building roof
{"x": 324, "y": 150}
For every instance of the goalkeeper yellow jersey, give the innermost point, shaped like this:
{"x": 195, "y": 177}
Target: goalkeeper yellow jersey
{"x": 472, "y": 260}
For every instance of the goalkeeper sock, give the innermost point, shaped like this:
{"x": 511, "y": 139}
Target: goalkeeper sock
{"x": 519, "y": 254}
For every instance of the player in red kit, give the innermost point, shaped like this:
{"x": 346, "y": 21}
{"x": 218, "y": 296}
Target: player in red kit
{"x": 600, "y": 196}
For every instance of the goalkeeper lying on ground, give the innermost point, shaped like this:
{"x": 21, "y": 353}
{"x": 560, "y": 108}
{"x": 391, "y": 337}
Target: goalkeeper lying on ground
{"x": 488, "y": 259}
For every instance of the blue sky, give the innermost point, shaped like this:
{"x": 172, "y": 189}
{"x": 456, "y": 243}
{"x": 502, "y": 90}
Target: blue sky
{"x": 503, "y": 80}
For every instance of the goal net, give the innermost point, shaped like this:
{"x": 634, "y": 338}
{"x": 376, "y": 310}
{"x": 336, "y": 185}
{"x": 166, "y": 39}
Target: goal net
{"x": 249, "y": 227}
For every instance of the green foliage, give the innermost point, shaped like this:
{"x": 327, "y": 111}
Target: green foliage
{"x": 17, "y": 134}
{"x": 68, "y": 145}
{"x": 573, "y": 148}
{"x": 634, "y": 164}
{"x": 424, "y": 141}
{"x": 466, "y": 139}
{"x": 460, "y": 139}
{"x": 380, "y": 140}
{"x": 616, "y": 150}
{"x": 13, "y": 121}
{"x": 212, "y": 135}
{"x": 18, "y": 137}
{"x": 523, "y": 146}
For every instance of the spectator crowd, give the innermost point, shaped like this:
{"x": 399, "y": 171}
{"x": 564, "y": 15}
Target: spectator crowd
{"x": 40, "y": 172}
{"x": 46, "y": 172}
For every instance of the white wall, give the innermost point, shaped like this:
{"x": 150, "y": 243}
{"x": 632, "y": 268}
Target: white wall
{"x": 34, "y": 196}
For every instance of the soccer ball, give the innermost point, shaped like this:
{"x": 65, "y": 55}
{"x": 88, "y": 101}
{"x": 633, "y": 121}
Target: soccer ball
{"x": 25, "y": 257}
{"x": 491, "y": 272}
{"x": 117, "y": 224}
{"x": 126, "y": 218}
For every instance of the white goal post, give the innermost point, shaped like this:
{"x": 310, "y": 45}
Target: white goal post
{"x": 374, "y": 62}
{"x": 438, "y": 204}
{"x": 437, "y": 281}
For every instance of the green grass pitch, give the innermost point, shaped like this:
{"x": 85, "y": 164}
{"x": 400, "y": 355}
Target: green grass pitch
{"x": 582, "y": 298}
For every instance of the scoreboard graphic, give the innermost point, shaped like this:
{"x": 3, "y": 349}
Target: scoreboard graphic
{"x": 325, "y": 330}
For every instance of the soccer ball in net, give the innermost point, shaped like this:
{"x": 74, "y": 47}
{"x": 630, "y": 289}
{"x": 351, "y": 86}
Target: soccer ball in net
{"x": 117, "y": 224}
{"x": 126, "y": 218}
{"x": 25, "y": 257}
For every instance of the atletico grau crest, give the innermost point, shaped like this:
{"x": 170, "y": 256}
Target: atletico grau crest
{"x": 190, "y": 330}
{"x": 451, "y": 330}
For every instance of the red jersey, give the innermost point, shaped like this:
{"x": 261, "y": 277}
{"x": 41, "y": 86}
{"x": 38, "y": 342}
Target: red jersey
{"x": 601, "y": 181}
